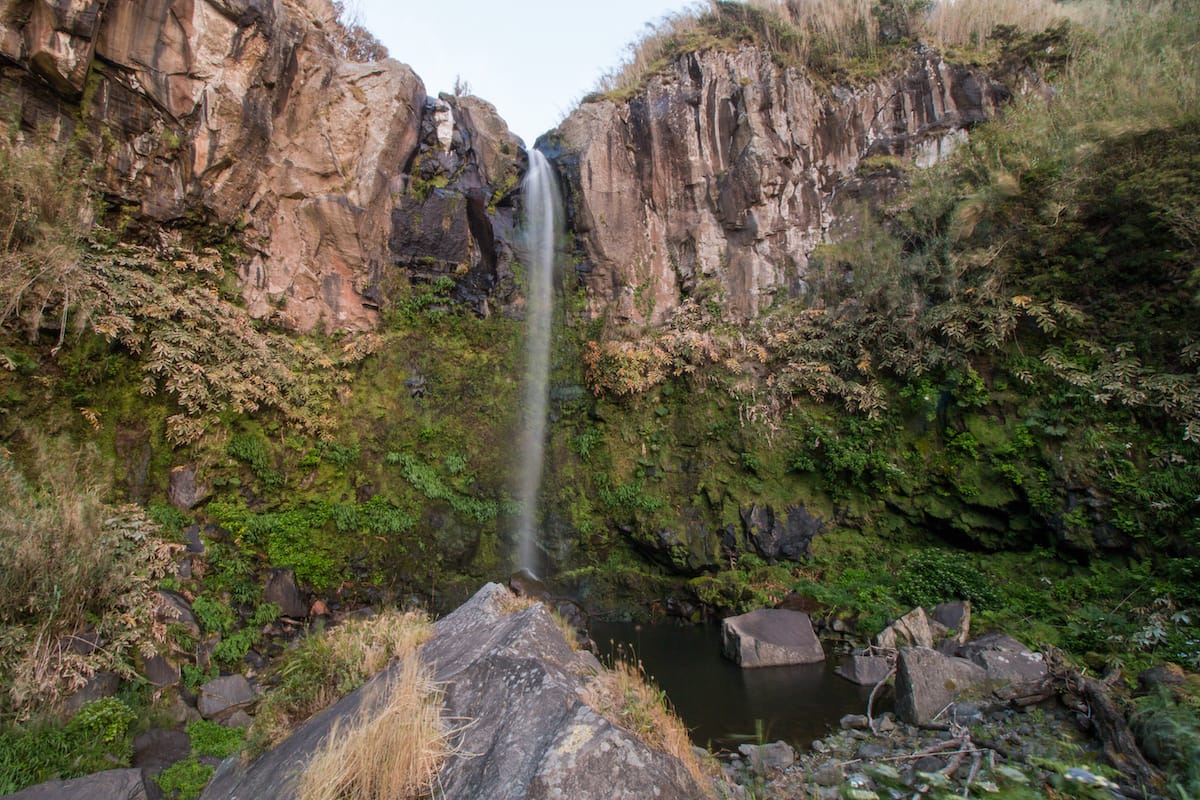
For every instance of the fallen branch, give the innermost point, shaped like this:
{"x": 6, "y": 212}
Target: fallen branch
{"x": 871, "y": 699}
{"x": 1117, "y": 741}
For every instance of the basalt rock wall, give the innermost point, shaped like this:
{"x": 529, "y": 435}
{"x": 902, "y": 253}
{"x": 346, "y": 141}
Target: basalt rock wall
{"x": 722, "y": 174}
{"x": 244, "y": 114}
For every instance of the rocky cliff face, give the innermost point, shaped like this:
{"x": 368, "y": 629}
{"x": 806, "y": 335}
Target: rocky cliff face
{"x": 720, "y": 177}
{"x": 243, "y": 114}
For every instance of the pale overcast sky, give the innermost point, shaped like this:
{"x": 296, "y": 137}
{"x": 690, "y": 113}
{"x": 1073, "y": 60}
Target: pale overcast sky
{"x": 532, "y": 59}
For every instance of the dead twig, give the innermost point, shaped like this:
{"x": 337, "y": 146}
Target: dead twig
{"x": 871, "y": 699}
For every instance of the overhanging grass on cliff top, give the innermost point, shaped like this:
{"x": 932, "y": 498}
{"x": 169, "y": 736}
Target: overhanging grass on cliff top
{"x": 842, "y": 39}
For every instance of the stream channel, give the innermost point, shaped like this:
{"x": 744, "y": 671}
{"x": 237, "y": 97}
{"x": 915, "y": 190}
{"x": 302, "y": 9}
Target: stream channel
{"x": 724, "y": 705}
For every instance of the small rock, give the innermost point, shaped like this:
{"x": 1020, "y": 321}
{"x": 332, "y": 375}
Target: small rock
{"x": 911, "y": 630}
{"x": 829, "y": 774}
{"x": 956, "y": 617}
{"x": 929, "y": 764}
{"x": 769, "y": 757}
{"x": 927, "y": 682}
{"x": 159, "y": 748}
{"x": 864, "y": 670}
{"x": 282, "y": 590}
{"x": 175, "y": 708}
{"x": 183, "y": 490}
{"x": 220, "y": 698}
{"x": 1161, "y": 675}
{"x": 122, "y": 784}
{"x": 102, "y": 684}
{"x": 318, "y": 609}
{"x": 883, "y": 773}
{"x": 869, "y": 750}
{"x": 965, "y": 713}
{"x": 191, "y": 535}
{"x": 885, "y": 724}
{"x": 854, "y": 722}
{"x": 238, "y": 719}
{"x": 161, "y": 671}
{"x": 770, "y": 637}
{"x": 174, "y": 609}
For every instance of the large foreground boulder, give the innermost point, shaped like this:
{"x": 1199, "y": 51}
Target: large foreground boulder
{"x": 771, "y": 637}
{"x": 512, "y": 692}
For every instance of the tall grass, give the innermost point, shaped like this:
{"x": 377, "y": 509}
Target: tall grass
{"x": 838, "y": 38}
{"x": 649, "y": 52}
{"x": 70, "y": 562}
{"x": 391, "y": 751}
{"x": 45, "y": 211}
{"x": 973, "y": 22}
{"x": 322, "y": 668}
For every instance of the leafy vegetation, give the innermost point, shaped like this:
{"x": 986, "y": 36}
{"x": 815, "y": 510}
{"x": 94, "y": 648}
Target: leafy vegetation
{"x": 96, "y": 738}
{"x": 186, "y": 779}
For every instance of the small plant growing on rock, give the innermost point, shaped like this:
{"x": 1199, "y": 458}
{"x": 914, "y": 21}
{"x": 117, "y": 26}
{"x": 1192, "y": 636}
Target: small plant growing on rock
{"x": 626, "y": 696}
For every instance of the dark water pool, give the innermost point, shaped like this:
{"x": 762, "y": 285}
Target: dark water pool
{"x": 724, "y": 705}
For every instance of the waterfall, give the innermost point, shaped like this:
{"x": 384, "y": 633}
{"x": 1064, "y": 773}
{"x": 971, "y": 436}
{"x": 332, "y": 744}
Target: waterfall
{"x": 543, "y": 217}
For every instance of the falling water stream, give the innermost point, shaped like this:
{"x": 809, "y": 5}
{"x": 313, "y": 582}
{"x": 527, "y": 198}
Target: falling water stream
{"x": 543, "y": 218}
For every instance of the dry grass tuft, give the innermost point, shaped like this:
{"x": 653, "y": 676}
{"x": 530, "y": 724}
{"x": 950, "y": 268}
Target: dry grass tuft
{"x": 321, "y": 669}
{"x": 838, "y": 38}
{"x": 388, "y": 753}
{"x": 626, "y": 696}
{"x": 972, "y": 22}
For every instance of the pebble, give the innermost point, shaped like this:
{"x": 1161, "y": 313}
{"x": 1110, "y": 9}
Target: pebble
{"x": 829, "y": 774}
{"x": 870, "y": 750}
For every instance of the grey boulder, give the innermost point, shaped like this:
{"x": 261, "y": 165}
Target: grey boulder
{"x": 115, "y": 784}
{"x": 771, "y": 637}
{"x": 222, "y": 697}
{"x": 928, "y": 683}
{"x": 864, "y": 670}
{"x": 512, "y": 691}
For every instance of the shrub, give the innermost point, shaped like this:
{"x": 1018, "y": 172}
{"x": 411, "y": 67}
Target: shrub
{"x": 252, "y": 451}
{"x": 44, "y": 215}
{"x": 1169, "y": 733}
{"x": 184, "y": 780}
{"x": 70, "y": 561}
{"x": 212, "y": 739}
{"x": 937, "y": 576}
{"x": 97, "y": 738}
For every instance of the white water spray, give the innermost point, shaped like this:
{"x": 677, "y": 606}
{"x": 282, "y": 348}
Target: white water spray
{"x": 543, "y": 217}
